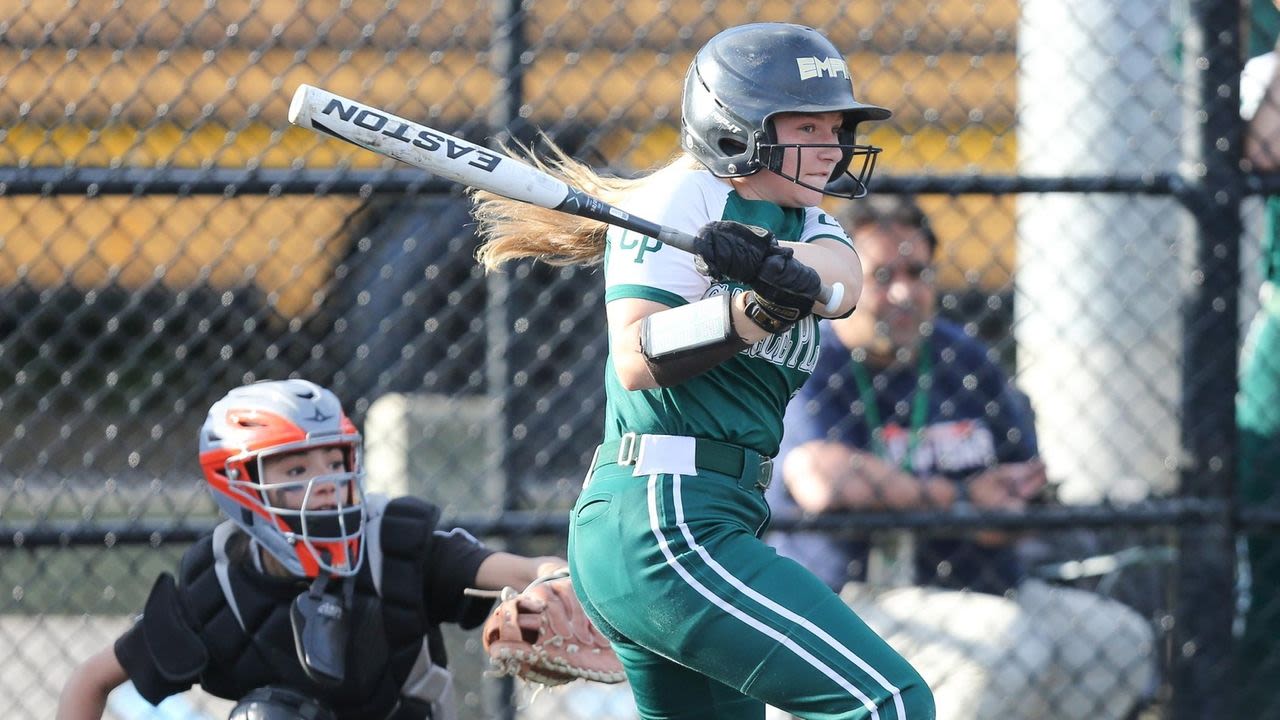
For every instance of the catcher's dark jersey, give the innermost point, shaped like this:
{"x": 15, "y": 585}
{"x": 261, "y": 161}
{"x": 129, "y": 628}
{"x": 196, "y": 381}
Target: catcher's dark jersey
{"x": 423, "y": 574}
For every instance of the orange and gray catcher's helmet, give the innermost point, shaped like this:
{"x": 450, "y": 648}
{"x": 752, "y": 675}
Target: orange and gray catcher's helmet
{"x": 266, "y": 419}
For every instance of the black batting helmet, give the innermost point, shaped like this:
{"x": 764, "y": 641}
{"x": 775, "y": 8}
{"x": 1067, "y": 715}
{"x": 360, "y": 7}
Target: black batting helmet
{"x": 746, "y": 75}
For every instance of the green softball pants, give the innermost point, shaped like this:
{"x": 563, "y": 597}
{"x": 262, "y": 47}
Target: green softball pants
{"x": 708, "y": 620}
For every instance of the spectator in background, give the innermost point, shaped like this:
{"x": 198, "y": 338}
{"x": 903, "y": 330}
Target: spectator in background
{"x": 906, "y": 411}
{"x": 1258, "y": 408}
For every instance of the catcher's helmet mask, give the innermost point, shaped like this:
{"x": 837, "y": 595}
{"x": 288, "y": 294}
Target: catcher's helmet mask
{"x": 747, "y": 75}
{"x": 255, "y": 423}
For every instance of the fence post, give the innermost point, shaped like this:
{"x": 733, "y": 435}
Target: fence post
{"x": 1212, "y": 190}
{"x": 507, "y": 47}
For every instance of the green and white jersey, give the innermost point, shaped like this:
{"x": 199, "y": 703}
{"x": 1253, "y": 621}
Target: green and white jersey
{"x": 742, "y": 400}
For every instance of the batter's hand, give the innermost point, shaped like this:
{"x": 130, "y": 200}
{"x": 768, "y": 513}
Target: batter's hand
{"x": 787, "y": 283}
{"x": 733, "y": 251}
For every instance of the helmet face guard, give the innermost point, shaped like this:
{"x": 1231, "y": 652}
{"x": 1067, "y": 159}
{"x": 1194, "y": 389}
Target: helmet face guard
{"x": 256, "y": 423}
{"x": 859, "y": 173}
{"x": 330, "y": 534}
{"x": 745, "y": 76}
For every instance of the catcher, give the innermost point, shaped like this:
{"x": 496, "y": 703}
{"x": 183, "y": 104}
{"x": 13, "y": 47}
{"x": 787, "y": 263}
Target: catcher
{"x": 316, "y": 600}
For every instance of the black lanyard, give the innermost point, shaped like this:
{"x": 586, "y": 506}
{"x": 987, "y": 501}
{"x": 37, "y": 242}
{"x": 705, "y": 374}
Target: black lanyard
{"x": 919, "y": 405}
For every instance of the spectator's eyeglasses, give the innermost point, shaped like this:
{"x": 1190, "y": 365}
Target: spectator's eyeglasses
{"x": 910, "y": 272}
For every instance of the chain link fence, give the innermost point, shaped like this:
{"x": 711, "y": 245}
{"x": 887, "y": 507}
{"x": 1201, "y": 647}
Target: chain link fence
{"x": 165, "y": 235}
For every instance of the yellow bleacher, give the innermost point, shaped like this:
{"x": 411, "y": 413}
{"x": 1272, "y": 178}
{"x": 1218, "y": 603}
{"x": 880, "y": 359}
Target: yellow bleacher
{"x": 189, "y": 83}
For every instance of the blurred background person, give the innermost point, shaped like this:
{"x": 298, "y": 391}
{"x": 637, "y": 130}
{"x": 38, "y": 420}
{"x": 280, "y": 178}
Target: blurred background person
{"x": 1258, "y": 407}
{"x": 907, "y": 412}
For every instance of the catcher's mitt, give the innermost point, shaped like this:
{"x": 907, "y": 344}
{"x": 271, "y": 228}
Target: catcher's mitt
{"x": 542, "y": 635}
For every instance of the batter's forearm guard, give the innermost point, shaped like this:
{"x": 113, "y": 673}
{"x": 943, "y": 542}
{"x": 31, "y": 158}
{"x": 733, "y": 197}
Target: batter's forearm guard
{"x": 684, "y": 342}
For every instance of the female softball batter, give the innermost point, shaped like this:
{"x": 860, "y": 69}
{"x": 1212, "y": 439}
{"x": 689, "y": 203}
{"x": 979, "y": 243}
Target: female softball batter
{"x": 664, "y": 540}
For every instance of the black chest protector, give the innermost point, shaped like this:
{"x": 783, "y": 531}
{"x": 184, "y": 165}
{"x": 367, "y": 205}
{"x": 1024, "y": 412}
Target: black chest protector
{"x": 394, "y": 657}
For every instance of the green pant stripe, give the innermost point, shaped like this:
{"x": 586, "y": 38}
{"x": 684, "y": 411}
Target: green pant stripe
{"x": 727, "y": 606}
{"x": 780, "y": 610}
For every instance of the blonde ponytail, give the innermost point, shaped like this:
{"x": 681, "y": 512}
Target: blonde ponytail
{"x": 512, "y": 230}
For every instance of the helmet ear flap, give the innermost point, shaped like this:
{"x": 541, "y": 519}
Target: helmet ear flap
{"x": 731, "y": 146}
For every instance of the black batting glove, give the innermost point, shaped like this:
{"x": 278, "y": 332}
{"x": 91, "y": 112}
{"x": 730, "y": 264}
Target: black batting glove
{"x": 784, "y": 289}
{"x": 732, "y": 250}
